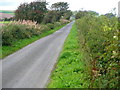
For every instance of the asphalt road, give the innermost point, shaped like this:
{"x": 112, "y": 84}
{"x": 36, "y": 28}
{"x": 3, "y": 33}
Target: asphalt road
{"x": 31, "y": 66}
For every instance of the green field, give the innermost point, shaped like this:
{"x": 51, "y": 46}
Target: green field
{"x": 4, "y": 22}
{"x": 7, "y": 11}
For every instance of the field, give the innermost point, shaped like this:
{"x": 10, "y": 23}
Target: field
{"x": 5, "y": 15}
{"x": 7, "y": 12}
{"x": 4, "y": 22}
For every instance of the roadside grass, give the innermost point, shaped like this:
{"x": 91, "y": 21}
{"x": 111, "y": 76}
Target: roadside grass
{"x": 7, "y": 50}
{"x": 70, "y": 70}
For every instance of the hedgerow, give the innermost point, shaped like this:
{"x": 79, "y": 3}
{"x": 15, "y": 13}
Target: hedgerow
{"x": 98, "y": 37}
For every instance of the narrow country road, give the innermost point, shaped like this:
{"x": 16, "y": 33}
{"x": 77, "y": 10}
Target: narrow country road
{"x": 31, "y": 66}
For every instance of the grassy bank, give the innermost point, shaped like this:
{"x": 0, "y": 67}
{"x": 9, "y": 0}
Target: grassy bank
{"x": 70, "y": 71}
{"x": 7, "y": 50}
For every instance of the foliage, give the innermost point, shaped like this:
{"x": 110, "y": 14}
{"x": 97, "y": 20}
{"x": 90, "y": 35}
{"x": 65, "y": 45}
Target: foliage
{"x": 56, "y": 24}
{"x": 67, "y": 14}
{"x": 109, "y": 15}
{"x": 18, "y": 30}
{"x": 8, "y": 19}
{"x": 70, "y": 71}
{"x": 99, "y": 39}
{"x": 51, "y": 17}
{"x": 60, "y": 6}
{"x": 61, "y": 10}
{"x": 34, "y": 11}
{"x": 37, "y": 11}
{"x": 81, "y": 14}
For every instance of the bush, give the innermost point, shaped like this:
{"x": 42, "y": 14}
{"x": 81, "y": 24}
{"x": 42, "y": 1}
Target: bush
{"x": 57, "y": 24}
{"x": 64, "y": 21}
{"x": 51, "y": 26}
{"x": 21, "y": 30}
{"x": 7, "y": 37}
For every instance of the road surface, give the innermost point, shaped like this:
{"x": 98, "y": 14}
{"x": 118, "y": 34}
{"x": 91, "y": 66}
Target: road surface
{"x": 31, "y": 66}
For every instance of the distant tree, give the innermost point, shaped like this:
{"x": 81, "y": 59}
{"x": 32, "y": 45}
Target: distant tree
{"x": 34, "y": 11}
{"x": 81, "y": 14}
{"x": 93, "y": 13}
{"x": 60, "y": 6}
{"x": 110, "y": 15}
{"x": 51, "y": 17}
{"x": 62, "y": 9}
{"x": 68, "y": 14}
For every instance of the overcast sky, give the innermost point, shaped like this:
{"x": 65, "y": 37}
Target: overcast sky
{"x": 100, "y": 6}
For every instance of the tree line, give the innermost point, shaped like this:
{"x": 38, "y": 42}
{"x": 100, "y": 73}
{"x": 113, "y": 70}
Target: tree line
{"x": 38, "y": 11}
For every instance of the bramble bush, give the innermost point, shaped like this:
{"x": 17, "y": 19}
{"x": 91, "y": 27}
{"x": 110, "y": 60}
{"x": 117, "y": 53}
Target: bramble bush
{"x": 98, "y": 37}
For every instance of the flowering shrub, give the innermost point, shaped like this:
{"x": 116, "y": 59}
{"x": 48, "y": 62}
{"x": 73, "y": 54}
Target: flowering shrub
{"x": 99, "y": 39}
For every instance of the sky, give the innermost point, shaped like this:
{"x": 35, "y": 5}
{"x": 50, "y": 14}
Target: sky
{"x": 100, "y": 6}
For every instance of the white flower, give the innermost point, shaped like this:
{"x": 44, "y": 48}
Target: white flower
{"x": 114, "y": 36}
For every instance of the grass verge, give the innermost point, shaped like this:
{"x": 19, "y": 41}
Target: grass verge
{"x": 7, "y": 50}
{"x": 70, "y": 71}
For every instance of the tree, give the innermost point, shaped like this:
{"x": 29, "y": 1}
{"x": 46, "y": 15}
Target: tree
{"x": 34, "y": 11}
{"x": 62, "y": 9}
{"x": 81, "y": 14}
{"x": 51, "y": 17}
{"x": 109, "y": 15}
{"x": 67, "y": 14}
{"x": 93, "y": 13}
{"x": 60, "y": 6}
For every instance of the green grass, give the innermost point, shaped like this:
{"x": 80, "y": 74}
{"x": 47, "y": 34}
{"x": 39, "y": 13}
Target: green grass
{"x": 7, "y": 50}
{"x": 70, "y": 70}
{"x": 4, "y": 22}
